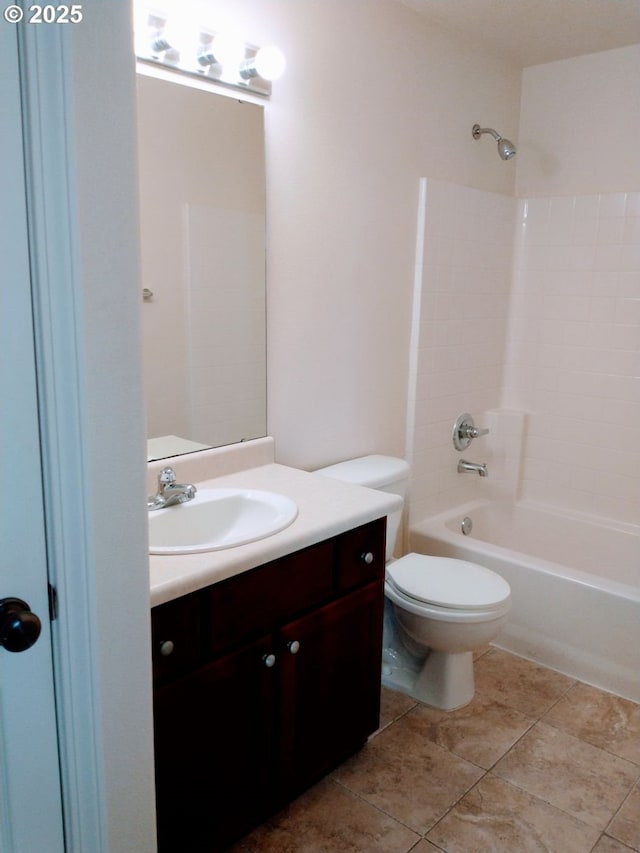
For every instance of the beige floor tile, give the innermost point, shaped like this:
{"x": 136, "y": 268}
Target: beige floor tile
{"x": 497, "y": 817}
{"x": 608, "y": 845}
{"x": 393, "y": 705}
{"x": 625, "y": 826}
{"x": 408, "y": 776}
{"x": 600, "y": 718}
{"x": 329, "y": 818}
{"x": 425, "y": 847}
{"x": 518, "y": 683}
{"x": 481, "y": 651}
{"x": 481, "y": 732}
{"x": 569, "y": 773}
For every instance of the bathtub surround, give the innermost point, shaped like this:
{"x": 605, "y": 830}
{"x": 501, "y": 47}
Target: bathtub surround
{"x": 574, "y": 351}
{"x": 462, "y": 282}
{"x": 529, "y": 317}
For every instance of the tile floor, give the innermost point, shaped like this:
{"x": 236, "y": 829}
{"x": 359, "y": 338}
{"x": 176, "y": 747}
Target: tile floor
{"x": 536, "y": 762}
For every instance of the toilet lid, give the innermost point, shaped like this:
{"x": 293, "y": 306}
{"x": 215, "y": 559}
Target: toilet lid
{"x": 445, "y": 582}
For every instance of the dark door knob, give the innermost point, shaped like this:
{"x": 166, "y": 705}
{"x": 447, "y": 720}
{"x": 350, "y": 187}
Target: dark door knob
{"x": 19, "y": 627}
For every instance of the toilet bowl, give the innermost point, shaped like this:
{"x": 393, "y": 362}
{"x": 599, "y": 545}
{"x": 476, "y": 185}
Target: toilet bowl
{"x": 438, "y": 610}
{"x": 444, "y": 610}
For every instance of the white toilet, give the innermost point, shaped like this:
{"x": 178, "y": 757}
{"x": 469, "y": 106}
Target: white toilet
{"x": 438, "y": 610}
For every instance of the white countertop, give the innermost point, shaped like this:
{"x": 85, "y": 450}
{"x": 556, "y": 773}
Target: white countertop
{"x": 326, "y": 507}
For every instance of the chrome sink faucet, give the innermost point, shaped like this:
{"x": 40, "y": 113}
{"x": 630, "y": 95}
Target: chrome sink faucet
{"x": 169, "y": 492}
{"x": 473, "y": 467}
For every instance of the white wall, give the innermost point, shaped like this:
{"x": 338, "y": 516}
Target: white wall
{"x": 373, "y": 98}
{"x": 580, "y": 124}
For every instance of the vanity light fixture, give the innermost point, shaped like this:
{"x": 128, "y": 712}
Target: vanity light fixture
{"x": 180, "y": 44}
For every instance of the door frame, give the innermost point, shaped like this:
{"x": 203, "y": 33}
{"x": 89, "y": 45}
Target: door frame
{"x": 28, "y": 724}
{"x": 78, "y": 84}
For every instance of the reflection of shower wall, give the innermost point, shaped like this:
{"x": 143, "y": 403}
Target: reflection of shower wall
{"x": 226, "y": 339}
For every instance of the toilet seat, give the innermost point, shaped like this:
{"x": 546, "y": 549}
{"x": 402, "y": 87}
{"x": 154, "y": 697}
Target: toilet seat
{"x": 444, "y": 582}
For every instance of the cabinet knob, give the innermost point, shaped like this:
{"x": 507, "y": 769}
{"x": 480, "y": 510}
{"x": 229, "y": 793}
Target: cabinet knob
{"x": 293, "y": 647}
{"x": 166, "y": 648}
{"x": 367, "y": 558}
{"x": 269, "y": 660}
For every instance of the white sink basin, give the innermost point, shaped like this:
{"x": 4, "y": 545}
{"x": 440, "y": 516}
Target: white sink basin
{"x": 219, "y": 518}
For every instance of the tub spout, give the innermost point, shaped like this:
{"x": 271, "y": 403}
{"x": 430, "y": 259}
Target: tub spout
{"x": 472, "y": 467}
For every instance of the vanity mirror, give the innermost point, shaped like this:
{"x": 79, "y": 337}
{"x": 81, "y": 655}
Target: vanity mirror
{"x": 202, "y": 237}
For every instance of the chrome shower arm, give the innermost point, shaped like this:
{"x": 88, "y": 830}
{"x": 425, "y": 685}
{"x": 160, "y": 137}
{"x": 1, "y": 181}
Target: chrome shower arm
{"x": 477, "y": 131}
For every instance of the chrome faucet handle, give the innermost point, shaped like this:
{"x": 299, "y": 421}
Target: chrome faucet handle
{"x": 474, "y": 432}
{"x": 166, "y": 477}
{"x": 464, "y": 431}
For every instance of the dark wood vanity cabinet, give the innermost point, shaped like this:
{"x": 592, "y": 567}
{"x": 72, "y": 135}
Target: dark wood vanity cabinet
{"x": 271, "y": 680}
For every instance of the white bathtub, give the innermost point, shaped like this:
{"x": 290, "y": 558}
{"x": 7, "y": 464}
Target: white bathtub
{"x": 575, "y": 585}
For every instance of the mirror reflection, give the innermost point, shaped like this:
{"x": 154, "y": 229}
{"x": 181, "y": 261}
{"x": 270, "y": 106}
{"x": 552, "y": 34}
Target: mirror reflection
{"x": 202, "y": 236}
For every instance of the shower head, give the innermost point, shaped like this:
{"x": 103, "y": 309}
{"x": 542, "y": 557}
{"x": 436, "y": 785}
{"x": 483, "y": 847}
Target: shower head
{"x": 506, "y": 148}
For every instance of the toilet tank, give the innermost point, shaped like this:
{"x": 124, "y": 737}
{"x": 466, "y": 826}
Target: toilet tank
{"x": 384, "y": 473}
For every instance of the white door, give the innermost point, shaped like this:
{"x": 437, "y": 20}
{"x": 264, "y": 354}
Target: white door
{"x": 30, "y": 794}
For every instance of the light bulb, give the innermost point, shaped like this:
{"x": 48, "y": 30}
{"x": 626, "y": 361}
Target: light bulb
{"x": 141, "y": 31}
{"x": 270, "y": 63}
{"x": 229, "y": 52}
{"x": 182, "y": 35}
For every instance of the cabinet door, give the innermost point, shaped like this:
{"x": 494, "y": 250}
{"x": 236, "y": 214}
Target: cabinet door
{"x": 330, "y": 685}
{"x": 176, "y": 646}
{"x": 214, "y": 750}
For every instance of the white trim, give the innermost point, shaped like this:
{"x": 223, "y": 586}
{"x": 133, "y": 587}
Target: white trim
{"x": 29, "y": 760}
{"x": 52, "y": 229}
{"x": 82, "y": 196}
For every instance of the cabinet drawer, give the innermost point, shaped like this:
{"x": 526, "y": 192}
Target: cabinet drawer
{"x": 360, "y": 555}
{"x": 176, "y": 637}
{"x": 254, "y": 602}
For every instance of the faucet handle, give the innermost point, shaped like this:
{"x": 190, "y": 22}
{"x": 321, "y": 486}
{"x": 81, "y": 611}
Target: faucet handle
{"x": 474, "y": 432}
{"x": 166, "y": 477}
{"x": 464, "y": 431}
